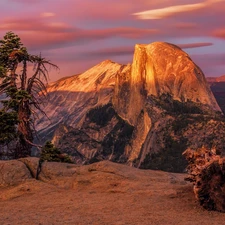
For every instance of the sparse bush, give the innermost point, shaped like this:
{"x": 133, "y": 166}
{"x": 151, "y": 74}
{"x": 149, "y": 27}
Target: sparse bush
{"x": 52, "y": 154}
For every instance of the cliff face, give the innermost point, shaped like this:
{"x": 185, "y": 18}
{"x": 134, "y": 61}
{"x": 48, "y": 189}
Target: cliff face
{"x": 128, "y": 113}
{"x": 160, "y": 68}
{"x": 157, "y": 69}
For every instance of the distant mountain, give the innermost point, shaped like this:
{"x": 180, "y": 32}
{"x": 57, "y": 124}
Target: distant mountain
{"x": 215, "y": 79}
{"x": 217, "y": 85}
{"x": 145, "y": 114}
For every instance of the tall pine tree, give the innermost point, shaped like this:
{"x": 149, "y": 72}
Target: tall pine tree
{"x": 22, "y": 92}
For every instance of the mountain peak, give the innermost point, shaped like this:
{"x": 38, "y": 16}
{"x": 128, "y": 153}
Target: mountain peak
{"x": 102, "y": 72}
{"x": 166, "y": 68}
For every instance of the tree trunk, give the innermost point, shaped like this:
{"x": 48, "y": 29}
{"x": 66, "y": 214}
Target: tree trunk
{"x": 207, "y": 172}
{"x": 25, "y": 131}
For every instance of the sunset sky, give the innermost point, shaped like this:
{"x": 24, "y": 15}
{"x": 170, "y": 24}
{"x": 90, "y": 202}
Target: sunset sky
{"x": 78, "y": 34}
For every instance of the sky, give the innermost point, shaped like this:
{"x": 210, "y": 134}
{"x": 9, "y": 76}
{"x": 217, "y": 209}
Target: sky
{"x": 78, "y": 34}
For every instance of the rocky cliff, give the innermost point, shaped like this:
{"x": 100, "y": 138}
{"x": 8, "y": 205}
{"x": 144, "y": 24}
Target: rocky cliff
{"x": 144, "y": 114}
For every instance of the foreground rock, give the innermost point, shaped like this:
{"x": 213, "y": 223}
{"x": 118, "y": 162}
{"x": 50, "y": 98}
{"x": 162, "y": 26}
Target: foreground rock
{"x": 103, "y": 193}
{"x": 13, "y": 172}
{"x": 207, "y": 173}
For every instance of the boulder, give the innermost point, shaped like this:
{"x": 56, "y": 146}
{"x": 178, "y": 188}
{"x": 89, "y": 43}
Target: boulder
{"x": 13, "y": 172}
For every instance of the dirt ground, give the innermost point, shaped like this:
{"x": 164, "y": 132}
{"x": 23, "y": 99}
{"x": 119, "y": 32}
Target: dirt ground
{"x": 105, "y": 193}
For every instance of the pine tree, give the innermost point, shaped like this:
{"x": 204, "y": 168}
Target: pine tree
{"x": 50, "y": 153}
{"x": 22, "y": 93}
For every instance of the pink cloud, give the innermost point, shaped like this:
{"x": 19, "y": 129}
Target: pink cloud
{"x": 112, "y": 10}
{"x": 185, "y": 25}
{"x": 26, "y": 1}
{"x": 106, "y": 53}
{"x": 173, "y": 10}
{"x": 50, "y": 39}
{"x": 220, "y": 33}
{"x": 211, "y": 64}
{"x": 85, "y": 26}
{"x": 47, "y": 14}
{"x": 184, "y": 29}
{"x": 100, "y": 10}
{"x": 210, "y": 59}
{"x": 42, "y": 32}
{"x": 35, "y": 24}
{"x": 187, "y": 19}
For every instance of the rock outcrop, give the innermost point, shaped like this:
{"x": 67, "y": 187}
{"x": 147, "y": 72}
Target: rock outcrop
{"x": 133, "y": 113}
{"x": 13, "y": 172}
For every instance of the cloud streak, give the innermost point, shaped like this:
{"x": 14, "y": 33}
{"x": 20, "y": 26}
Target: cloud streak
{"x": 172, "y": 10}
{"x": 195, "y": 45}
{"x": 47, "y": 14}
{"x": 220, "y": 33}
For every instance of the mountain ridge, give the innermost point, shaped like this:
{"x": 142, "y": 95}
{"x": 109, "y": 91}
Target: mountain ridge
{"x": 216, "y": 79}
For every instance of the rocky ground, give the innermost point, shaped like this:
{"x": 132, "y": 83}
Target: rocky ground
{"x": 97, "y": 194}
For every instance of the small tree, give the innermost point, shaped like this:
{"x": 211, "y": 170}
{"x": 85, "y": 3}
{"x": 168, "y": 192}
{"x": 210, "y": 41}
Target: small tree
{"x": 52, "y": 154}
{"x": 22, "y": 93}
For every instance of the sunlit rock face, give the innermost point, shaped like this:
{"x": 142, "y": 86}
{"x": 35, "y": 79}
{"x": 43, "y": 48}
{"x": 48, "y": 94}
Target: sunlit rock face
{"x": 160, "y": 68}
{"x": 132, "y": 113}
{"x": 72, "y": 97}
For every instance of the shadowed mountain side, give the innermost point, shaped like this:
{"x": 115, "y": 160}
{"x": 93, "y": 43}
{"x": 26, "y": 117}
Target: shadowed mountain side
{"x": 70, "y": 108}
{"x": 103, "y": 135}
{"x": 218, "y": 89}
{"x": 70, "y": 98}
{"x": 217, "y": 85}
{"x": 174, "y": 126}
